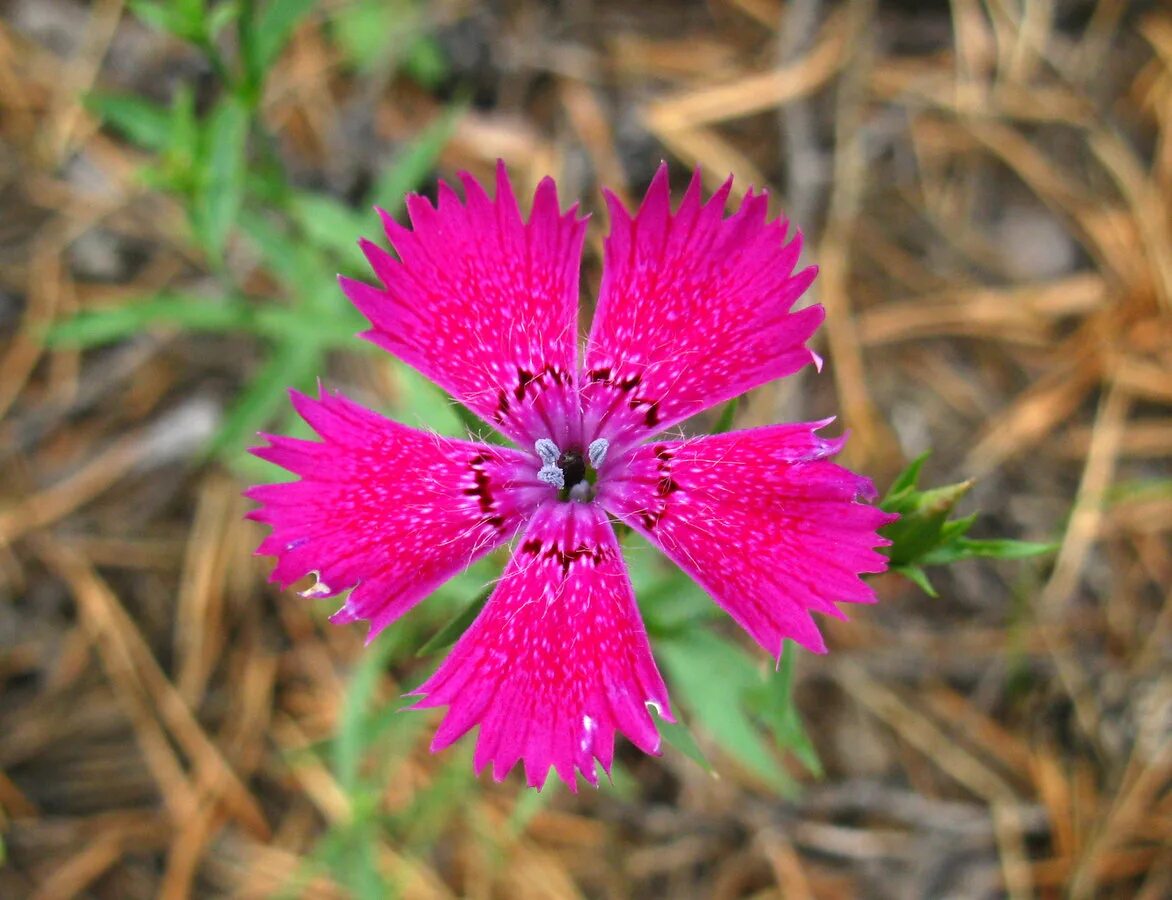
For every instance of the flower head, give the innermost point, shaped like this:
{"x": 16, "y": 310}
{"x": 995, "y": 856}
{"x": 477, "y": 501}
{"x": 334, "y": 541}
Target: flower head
{"x": 695, "y": 308}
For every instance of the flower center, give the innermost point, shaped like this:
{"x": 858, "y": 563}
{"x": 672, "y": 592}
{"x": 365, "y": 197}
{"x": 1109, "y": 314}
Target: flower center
{"x": 572, "y": 473}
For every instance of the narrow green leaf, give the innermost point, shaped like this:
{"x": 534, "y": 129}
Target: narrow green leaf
{"x": 221, "y": 15}
{"x": 728, "y": 415}
{"x": 365, "y": 31}
{"x": 525, "y": 807}
{"x": 157, "y": 15}
{"x": 182, "y": 150}
{"x": 143, "y": 122}
{"x": 917, "y": 576}
{"x": 1138, "y": 489}
{"x": 957, "y": 528}
{"x": 1004, "y": 548}
{"x": 280, "y": 252}
{"x": 349, "y": 747}
{"x": 94, "y": 328}
{"x": 709, "y": 676}
{"x": 274, "y": 27}
{"x": 474, "y": 426}
{"x": 421, "y": 404}
{"x": 221, "y": 185}
{"x": 425, "y": 62}
{"x": 432, "y": 807}
{"x": 456, "y": 626}
{"x": 773, "y": 702}
{"x": 410, "y": 168}
{"x": 906, "y": 480}
{"x": 332, "y": 226}
{"x": 290, "y": 365}
{"x": 677, "y": 735}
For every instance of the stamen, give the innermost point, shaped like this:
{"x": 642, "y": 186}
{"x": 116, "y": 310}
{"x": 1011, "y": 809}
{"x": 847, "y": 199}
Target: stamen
{"x": 548, "y": 451}
{"x": 552, "y": 475}
{"x": 597, "y": 451}
{"x": 582, "y": 492}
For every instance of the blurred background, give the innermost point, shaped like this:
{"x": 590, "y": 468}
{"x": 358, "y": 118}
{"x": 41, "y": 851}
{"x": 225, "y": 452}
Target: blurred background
{"x": 986, "y": 186}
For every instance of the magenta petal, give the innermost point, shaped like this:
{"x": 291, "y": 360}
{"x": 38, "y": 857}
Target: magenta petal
{"x": 384, "y": 509}
{"x": 694, "y": 309}
{"x": 484, "y": 303}
{"x": 557, "y": 661}
{"x": 762, "y": 521}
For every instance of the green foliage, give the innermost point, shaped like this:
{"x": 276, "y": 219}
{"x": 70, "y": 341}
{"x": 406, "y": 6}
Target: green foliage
{"x": 455, "y": 626}
{"x": 678, "y": 735}
{"x": 389, "y": 35}
{"x": 924, "y": 535}
{"x": 221, "y": 167}
{"x": 275, "y": 24}
{"x": 726, "y": 691}
{"x": 141, "y": 121}
{"x": 721, "y": 688}
{"x": 728, "y": 415}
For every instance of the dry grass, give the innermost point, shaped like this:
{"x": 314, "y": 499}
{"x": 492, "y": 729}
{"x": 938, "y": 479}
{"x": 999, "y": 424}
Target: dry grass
{"x": 988, "y": 189}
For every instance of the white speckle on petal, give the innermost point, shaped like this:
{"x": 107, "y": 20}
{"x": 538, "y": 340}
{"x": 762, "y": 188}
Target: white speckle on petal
{"x": 588, "y": 724}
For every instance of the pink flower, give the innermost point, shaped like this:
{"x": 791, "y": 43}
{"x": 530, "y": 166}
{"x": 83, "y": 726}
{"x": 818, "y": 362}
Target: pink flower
{"x": 694, "y": 309}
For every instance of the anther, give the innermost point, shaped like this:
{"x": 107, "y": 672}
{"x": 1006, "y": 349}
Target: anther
{"x": 548, "y": 451}
{"x": 552, "y": 475}
{"x": 597, "y": 451}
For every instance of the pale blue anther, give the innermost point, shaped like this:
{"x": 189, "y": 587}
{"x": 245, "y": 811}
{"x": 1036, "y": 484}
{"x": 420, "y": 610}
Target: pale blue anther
{"x": 552, "y": 475}
{"x": 596, "y": 452}
{"x": 548, "y": 451}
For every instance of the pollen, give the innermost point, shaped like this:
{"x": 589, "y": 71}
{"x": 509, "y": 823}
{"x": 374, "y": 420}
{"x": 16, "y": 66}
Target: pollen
{"x": 573, "y": 473}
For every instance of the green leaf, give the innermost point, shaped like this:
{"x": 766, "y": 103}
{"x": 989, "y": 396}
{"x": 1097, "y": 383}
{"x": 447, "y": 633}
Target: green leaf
{"x": 924, "y": 535}
{"x": 681, "y": 738}
{"x": 997, "y": 548}
{"x": 94, "y": 328}
{"x": 183, "y": 139}
{"x": 350, "y": 746}
{"x": 273, "y": 28}
{"x": 421, "y": 404}
{"x": 917, "y": 576}
{"x": 156, "y": 14}
{"x": 434, "y": 806}
{"x": 475, "y": 427}
{"x": 526, "y": 805}
{"x": 710, "y": 676}
{"x": 456, "y": 626}
{"x": 426, "y": 63}
{"x": 669, "y": 600}
{"x": 222, "y": 15}
{"x": 332, "y": 226}
{"x": 907, "y": 479}
{"x": 291, "y": 365}
{"x": 367, "y": 31}
{"x": 221, "y": 182}
{"x": 141, "y": 121}
{"x": 773, "y": 702}
{"x": 922, "y": 517}
{"x": 282, "y": 255}
{"x": 182, "y": 18}
{"x": 410, "y": 168}
{"x": 727, "y": 416}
